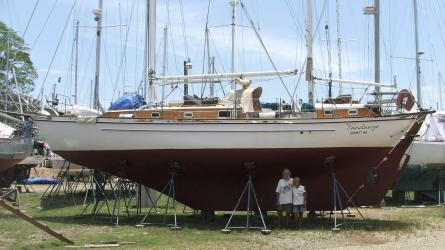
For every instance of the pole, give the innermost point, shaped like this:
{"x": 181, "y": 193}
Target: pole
{"x": 151, "y": 48}
{"x": 377, "y": 47}
{"x": 98, "y": 18}
{"x": 209, "y": 63}
{"x": 339, "y": 50}
{"x": 165, "y": 62}
{"x": 7, "y": 68}
{"x": 328, "y": 47}
{"x": 309, "y": 61}
{"x": 418, "y": 72}
{"x": 234, "y": 3}
{"x": 186, "y": 86}
{"x": 440, "y": 81}
{"x": 76, "y": 63}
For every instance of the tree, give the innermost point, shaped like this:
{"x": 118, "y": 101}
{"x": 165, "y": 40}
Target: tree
{"x": 12, "y": 46}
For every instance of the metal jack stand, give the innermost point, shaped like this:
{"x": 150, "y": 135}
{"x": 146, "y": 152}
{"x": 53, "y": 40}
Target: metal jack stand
{"x": 338, "y": 190}
{"x": 171, "y": 198}
{"x": 250, "y": 192}
{"x": 100, "y": 195}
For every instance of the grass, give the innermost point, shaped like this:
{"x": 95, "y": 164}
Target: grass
{"x": 62, "y": 216}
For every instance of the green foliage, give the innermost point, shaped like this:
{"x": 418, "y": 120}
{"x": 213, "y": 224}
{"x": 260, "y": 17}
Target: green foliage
{"x": 19, "y": 60}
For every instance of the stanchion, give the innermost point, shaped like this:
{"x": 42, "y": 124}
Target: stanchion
{"x": 249, "y": 189}
{"x": 337, "y": 191}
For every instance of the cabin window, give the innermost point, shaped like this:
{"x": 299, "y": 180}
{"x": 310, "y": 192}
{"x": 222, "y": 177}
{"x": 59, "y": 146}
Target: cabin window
{"x": 155, "y": 115}
{"x": 126, "y": 115}
{"x": 224, "y": 114}
{"x": 352, "y": 111}
{"x": 328, "y": 112}
{"x": 188, "y": 114}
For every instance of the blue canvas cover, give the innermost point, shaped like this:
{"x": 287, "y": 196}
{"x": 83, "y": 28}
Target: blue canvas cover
{"x": 131, "y": 101}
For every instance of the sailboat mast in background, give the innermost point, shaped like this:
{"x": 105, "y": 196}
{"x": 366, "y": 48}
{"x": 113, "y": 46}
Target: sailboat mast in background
{"x": 98, "y": 18}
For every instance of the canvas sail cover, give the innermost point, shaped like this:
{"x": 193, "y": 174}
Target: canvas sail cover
{"x": 245, "y": 98}
{"x": 433, "y": 129}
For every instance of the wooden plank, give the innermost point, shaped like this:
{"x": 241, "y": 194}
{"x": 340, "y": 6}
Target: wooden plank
{"x": 35, "y": 222}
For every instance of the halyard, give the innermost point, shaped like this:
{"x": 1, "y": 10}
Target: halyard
{"x": 394, "y": 227}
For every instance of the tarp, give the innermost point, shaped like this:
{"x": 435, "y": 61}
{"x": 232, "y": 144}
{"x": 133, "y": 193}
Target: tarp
{"x": 78, "y": 110}
{"x": 5, "y": 130}
{"x": 131, "y": 101}
{"x": 433, "y": 129}
{"x": 39, "y": 180}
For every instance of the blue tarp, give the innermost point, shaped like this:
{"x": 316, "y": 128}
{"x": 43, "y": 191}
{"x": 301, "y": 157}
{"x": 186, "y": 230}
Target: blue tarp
{"x": 131, "y": 101}
{"x": 39, "y": 180}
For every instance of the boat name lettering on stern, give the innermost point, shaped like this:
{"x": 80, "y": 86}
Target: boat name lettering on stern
{"x": 362, "y": 129}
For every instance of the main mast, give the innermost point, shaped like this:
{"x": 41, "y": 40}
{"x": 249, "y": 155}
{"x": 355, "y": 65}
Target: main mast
{"x": 98, "y": 18}
{"x": 377, "y": 46}
{"x": 309, "y": 60}
{"x": 418, "y": 53}
{"x": 151, "y": 49}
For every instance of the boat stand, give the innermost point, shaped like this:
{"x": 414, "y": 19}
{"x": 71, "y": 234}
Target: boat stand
{"x": 337, "y": 192}
{"x": 125, "y": 191}
{"x": 61, "y": 184}
{"x": 10, "y": 195}
{"x": 249, "y": 189}
{"x": 100, "y": 197}
{"x": 171, "y": 200}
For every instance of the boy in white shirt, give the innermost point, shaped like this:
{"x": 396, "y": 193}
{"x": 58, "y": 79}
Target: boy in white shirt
{"x": 299, "y": 201}
{"x": 284, "y": 196}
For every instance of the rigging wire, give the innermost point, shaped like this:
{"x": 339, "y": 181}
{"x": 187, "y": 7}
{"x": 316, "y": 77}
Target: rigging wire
{"x": 57, "y": 48}
{"x": 44, "y": 24}
{"x": 30, "y": 18}
{"x": 123, "y": 51}
{"x": 184, "y": 33}
{"x": 265, "y": 49}
{"x": 206, "y": 42}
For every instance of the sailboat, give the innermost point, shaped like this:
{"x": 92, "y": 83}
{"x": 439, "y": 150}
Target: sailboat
{"x": 212, "y": 140}
{"x": 13, "y": 149}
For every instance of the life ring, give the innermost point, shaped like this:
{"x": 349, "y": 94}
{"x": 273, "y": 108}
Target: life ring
{"x": 405, "y": 100}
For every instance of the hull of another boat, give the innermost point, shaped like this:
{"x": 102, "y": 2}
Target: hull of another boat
{"x": 427, "y": 153}
{"x": 13, "y": 151}
{"x": 212, "y": 155}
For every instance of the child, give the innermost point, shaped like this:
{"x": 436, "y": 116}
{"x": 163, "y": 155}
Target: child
{"x": 299, "y": 201}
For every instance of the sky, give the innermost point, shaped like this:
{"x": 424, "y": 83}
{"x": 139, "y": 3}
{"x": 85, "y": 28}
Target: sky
{"x": 280, "y": 23}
